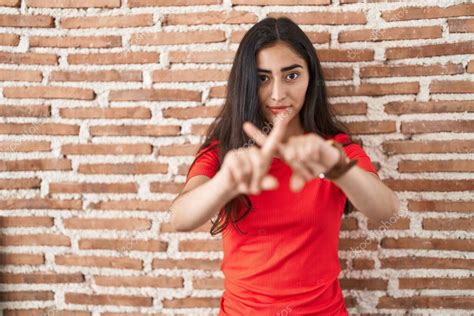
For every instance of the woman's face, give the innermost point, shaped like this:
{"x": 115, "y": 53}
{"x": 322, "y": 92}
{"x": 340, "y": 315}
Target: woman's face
{"x": 280, "y": 86}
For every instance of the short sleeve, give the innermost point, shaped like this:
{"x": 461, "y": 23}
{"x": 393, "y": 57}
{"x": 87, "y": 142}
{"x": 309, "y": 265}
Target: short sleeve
{"x": 206, "y": 164}
{"x": 355, "y": 151}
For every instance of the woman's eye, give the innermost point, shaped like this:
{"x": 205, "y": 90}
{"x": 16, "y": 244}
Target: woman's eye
{"x": 261, "y": 78}
{"x": 294, "y": 73}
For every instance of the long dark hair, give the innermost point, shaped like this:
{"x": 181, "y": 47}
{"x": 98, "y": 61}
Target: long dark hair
{"x": 242, "y": 103}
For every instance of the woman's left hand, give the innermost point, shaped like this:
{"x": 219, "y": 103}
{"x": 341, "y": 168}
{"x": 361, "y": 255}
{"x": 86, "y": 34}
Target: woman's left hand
{"x": 308, "y": 155}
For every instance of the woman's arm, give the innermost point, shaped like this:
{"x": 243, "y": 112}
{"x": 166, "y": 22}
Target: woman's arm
{"x": 197, "y": 205}
{"x": 368, "y": 194}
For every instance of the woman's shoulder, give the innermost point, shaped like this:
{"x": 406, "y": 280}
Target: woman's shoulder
{"x": 342, "y": 138}
{"x": 211, "y": 148}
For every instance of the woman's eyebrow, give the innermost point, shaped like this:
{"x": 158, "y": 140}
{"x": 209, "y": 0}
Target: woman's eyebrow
{"x": 282, "y": 69}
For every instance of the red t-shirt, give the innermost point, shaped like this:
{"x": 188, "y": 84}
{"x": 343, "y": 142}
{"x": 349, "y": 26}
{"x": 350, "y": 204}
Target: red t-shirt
{"x": 287, "y": 263}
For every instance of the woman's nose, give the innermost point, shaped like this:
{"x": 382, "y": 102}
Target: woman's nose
{"x": 278, "y": 91}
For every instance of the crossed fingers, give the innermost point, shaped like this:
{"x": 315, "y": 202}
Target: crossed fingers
{"x": 302, "y": 155}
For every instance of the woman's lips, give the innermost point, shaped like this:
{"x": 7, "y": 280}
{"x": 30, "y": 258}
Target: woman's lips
{"x": 278, "y": 109}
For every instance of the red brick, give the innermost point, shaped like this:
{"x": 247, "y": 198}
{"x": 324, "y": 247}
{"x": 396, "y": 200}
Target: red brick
{"x": 399, "y": 224}
{"x": 39, "y": 129}
{"x": 140, "y": 281}
{"x": 102, "y": 76}
{"x": 99, "y": 261}
{"x": 177, "y": 38}
{"x": 114, "y": 58}
{"x": 124, "y": 168}
{"x": 76, "y": 187}
{"x": 364, "y": 284}
{"x": 363, "y": 264}
{"x": 106, "y": 113}
{"x": 39, "y": 203}
{"x": 378, "y": 71}
{"x": 14, "y": 184}
{"x": 448, "y": 224}
{"x": 349, "y": 223}
{"x": 25, "y": 111}
{"x": 21, "y": 259}
{"x": 35, "y": 164}
{"x": 457, "y": 126}
{"x": 124, "y": 245}
{"x": 428, "y": 146}
{"x": 26, "y": 221}
{"x": 470, "y": 67}
{"x": 20, "y": 75}
{"x": 452, "y": 86}
{"x": 200, "y": 245}
{"x": 208, "y": 283}
{"x": 372, "y": 127}
{"x": 212, "y": 17}
{"x": 419, "y": 185}
{"x": 25, "y": 146}
{"x": 431, "y": 302}
{"x": 178, "y": 150}
{"x": 436, "y": 283}
{"x": 98, "y": 299}
{"x": 132, "y": 205}
{"x": 189, "y": 263}
{"x": 440, "y": 206}
{"x": 434, "y": 12}
{"x": 107, "y": 223}
{"x": 9, "y": 40}
{"x": 430, "y": 50}
{"x": 76, "y": 41}
{"x": 189, "y": 75}
{"x": 369, "y": 89}
{"x": 358, "y": 243}
{"x": 49, "y": 92}
{"x": 107, "y": 21}
{"x": 74, "y": 4}
{"x": 161, "y": 3}
{"x": 36, "y": 278}
{"x": 425, "y": 263}
{"x": 191, "y": 112}
{"x": 35, "y": 240}
{"x": 135, "y": 130}
{"x": 461, "y": 25}
{"x": 26, "y": 296}
{"x": 390, "y": 34}
{"x": 426, "y": 243}
{"x": 352, "y": 108}
{"x": 409, "y": 107}
{"x": 331, "y": 18}
{"x": 10, "y": 3}
{"x": 436, "y": 166}
{"x": 43, "y": 312}
{"x": 189, "y": 302}
{"x": 21, "y": 20}
{"x": 155, "y": 95}
{"x": 202, "y": 57}
{"x": 106, "y": 149}
{"x": 28, "y": 59}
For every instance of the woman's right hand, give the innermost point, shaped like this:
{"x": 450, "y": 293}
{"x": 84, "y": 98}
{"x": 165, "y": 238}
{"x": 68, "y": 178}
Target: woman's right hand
{"x": 244, "y": 170}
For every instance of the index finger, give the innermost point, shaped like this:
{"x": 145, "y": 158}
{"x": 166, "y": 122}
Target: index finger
{"x": 276, "y": 135}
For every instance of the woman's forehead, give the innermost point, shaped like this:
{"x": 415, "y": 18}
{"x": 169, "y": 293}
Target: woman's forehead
{"x": 277, "y": 56}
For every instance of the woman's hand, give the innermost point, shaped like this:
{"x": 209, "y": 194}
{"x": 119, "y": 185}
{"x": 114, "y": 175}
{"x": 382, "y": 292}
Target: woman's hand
{"x": 308, "y": 155}
{"x": 245, "y": 169}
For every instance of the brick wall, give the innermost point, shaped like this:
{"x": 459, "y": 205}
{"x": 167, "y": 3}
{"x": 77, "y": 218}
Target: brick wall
{"x": 103, "y": 104}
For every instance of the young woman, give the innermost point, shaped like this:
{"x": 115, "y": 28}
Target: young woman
{"x": 279, "y": 196}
